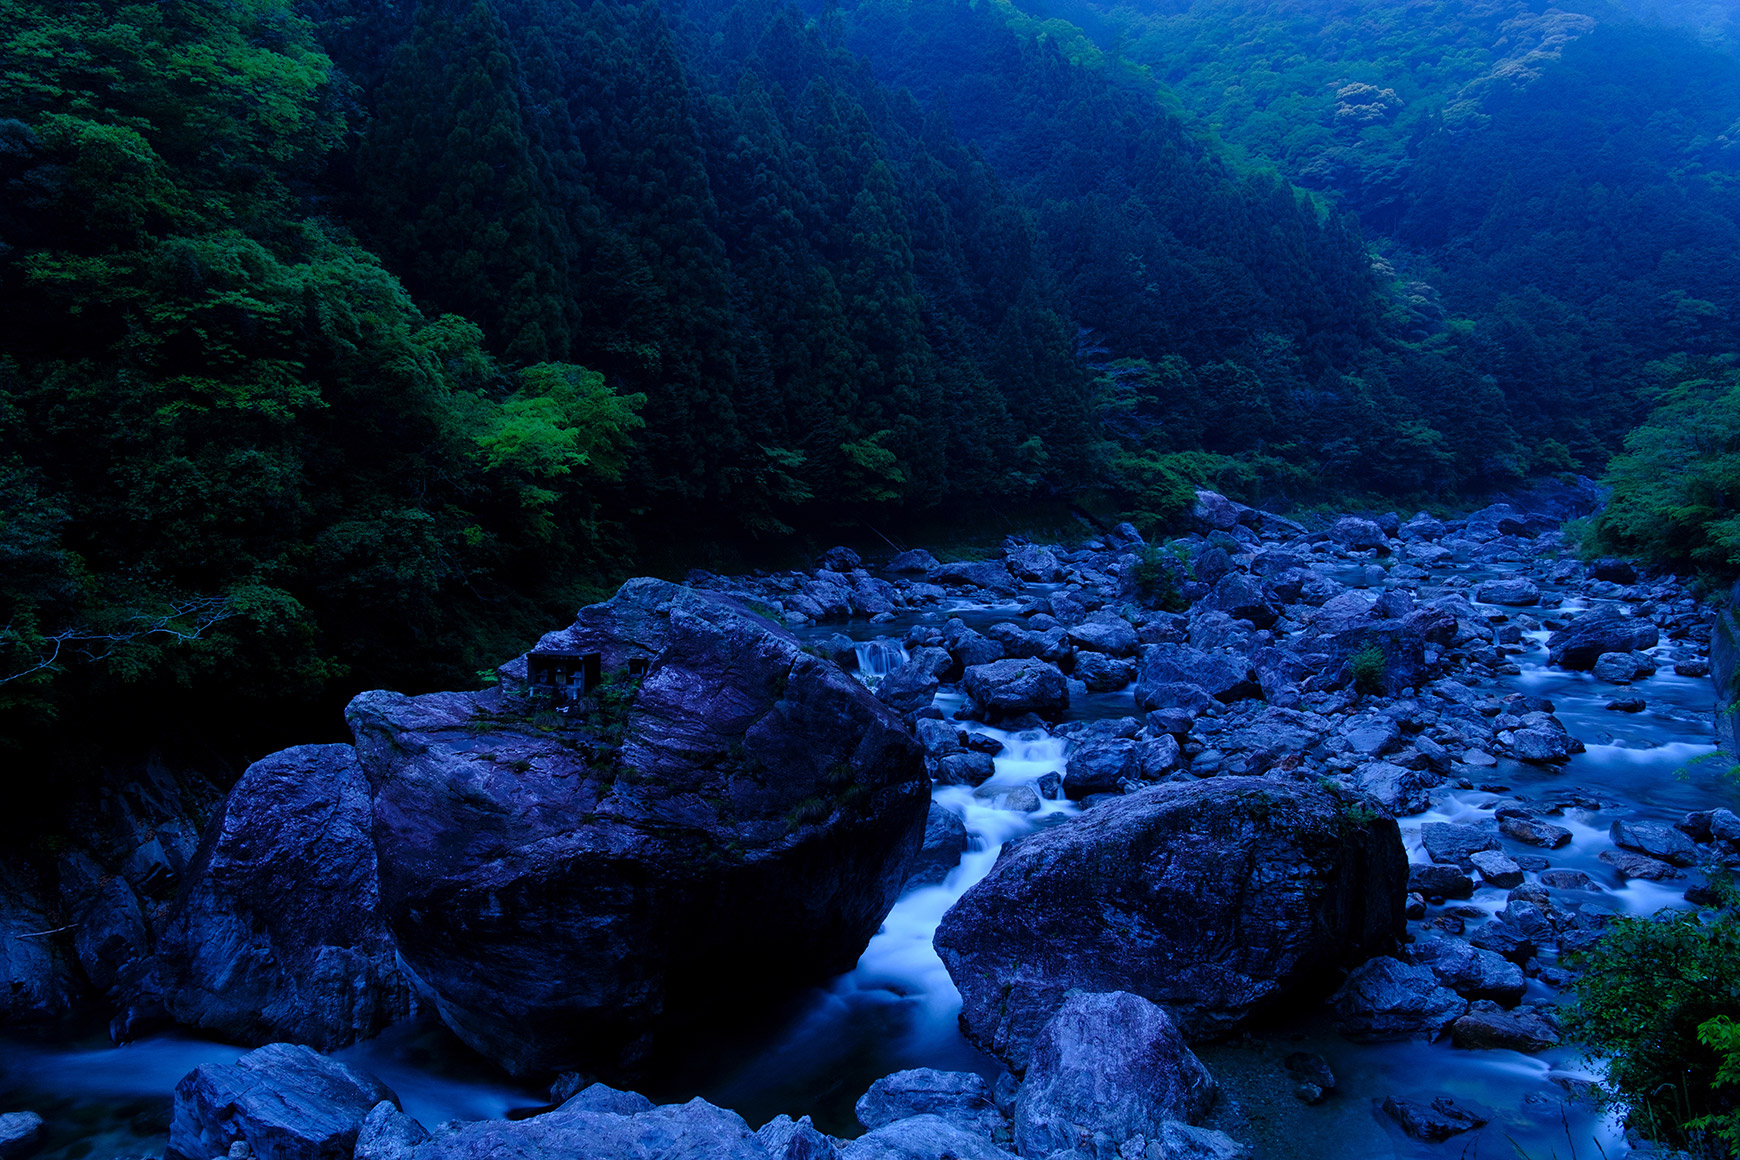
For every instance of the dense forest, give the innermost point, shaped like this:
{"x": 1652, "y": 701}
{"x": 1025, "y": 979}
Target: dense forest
{"x": 351, "y": 343}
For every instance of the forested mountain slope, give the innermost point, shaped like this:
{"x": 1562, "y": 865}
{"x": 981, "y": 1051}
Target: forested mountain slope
{"x": 347, "y": 343}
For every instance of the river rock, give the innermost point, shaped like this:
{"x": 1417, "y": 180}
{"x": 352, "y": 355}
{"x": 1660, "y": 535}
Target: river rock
{"x": 1493, "y": 1030}
{"x": 1034, "y": 563}
{"x": 1101, "y": 766}
{"x": 578, "y": 1129}
{"x": 1534, "y": 832}
{"x": 1388, "y": 999}
{"x": 966, "y": 768}
{"x": 1580, "y": 644}
{"x": 915, "y": 561}
{"x": 945, "y": 840}
{"x": 963, "y": 1098}
{"x": 1497, "y": 868}
{"x": 1399, "y": 790}
{"x": 1222, "y": 676}
{"x": 1617, "y": 667}
{"x": 1657, "y": 839}
{"x": 990, "y": 574}
{"x": 1104, "y": 1068}
{"x": 286, "y": 1102}
{"x": 1439, "y": 882}
{"x": 1009, "y": 688}
{"x": 1107, "y": 634}
{"x": 1218, "y": 898}
{"x": 20, "y": 1132}
{"x": 388, "y": 1134}
{"x": 747, "y": 802}
{"x": 1214, "y": 512}
{"x": 1449, "y": 843}
{"x": 278, "y": 933}
{"x": 1470, "y": 971}
{"x": 1516, "y": 591}
{"x": 1103, "y": 674}
{"x": 913, "y": 685}
{"x": 788, "y": 1139}
{"x": 1356, "y": 533}
{"x": 922, "y": 1138}
{"x": 1438, "y": 1120}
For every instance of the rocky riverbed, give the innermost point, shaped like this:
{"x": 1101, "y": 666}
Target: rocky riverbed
{"x": 1323, "y": 808}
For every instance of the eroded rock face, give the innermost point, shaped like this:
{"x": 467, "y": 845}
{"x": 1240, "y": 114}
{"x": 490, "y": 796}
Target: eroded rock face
{"x": 278, "y": 934}
{"x": 1216, "y": 898}
{"x": 568, "y": 892}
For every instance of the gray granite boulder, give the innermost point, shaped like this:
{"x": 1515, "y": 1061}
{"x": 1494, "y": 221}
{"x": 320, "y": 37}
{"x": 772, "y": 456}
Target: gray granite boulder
{"x": 284, "y": 1101}
{"x": 1105, "y": 1068}
{"x": 1219, "y": 899}
{"x": 961, "y": 1097}
{"x": 1582, "y": 642}
{"x": 742, "y": 801}
{"x": 1008, "y": 688}
{"x": 278, "y": 932}
{"x": 923, "y": 1138}
{"x": 1388, "y": 999}
{"x": 585, "y": 1129}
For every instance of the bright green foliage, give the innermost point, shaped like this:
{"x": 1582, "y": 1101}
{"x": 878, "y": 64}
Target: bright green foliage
{"x": 1369, "y": 666}
{"x": 239, "y": 467}
{"x": 1657, "y": 1002}
{"x": 1676, "y": 488}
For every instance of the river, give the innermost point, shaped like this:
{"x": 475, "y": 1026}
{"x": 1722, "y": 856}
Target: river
{"x": 898, "y": 1008}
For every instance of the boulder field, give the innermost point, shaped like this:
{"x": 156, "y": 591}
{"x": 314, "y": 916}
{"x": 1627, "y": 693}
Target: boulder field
{"x": 566, "y": 888}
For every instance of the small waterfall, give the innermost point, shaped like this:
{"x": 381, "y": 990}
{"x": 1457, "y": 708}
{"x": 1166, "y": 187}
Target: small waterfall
{"x": 877, "y": 658}
{"x": 900, "y": 959}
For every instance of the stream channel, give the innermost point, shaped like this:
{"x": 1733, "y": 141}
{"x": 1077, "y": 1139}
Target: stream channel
{"x": 897, "y": 1009}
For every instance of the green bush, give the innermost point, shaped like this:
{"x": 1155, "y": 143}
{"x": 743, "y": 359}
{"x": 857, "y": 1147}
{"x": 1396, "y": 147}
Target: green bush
{"x": 1157, "y": 578}
{"x": 1657, "y": 1004}
{"x": 1368, "y": 666}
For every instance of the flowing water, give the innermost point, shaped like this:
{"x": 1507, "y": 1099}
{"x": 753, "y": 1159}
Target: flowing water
{"x": 898, "y": 1008}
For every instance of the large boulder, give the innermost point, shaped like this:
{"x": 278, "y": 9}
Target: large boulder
{"x": 278, "y": 932}
{"x": 598, "y": 1124}
{"x": 1105, "y": 1068}
{"x": 286, "y": 1102}
{"x": 1580, "y": 644}
{"x": 961, "y": 1097}
{"x": 1009, "y": 688}
{"x": 1219, "y": 899}
{"x": 1165, "y": 667}
{"x": 922, "y": 1138}
{"x": 568, "y": 888}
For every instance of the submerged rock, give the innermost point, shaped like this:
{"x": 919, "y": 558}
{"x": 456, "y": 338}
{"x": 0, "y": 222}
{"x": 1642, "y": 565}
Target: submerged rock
{"x": 1217, "y": 898}
{"x": 747, "y": 802}
{"x": 278, "y": 934}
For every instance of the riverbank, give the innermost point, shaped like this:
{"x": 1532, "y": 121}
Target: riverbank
{"x": 1411, "y": 661}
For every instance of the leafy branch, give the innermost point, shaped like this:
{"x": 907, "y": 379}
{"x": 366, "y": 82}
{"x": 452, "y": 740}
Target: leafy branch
{"x": 188, "y": 620}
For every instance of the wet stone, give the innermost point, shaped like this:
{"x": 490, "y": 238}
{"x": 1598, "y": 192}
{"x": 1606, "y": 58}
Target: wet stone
{"x": 1430, "y": 1122}
{"x": 1497, "y": 868}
